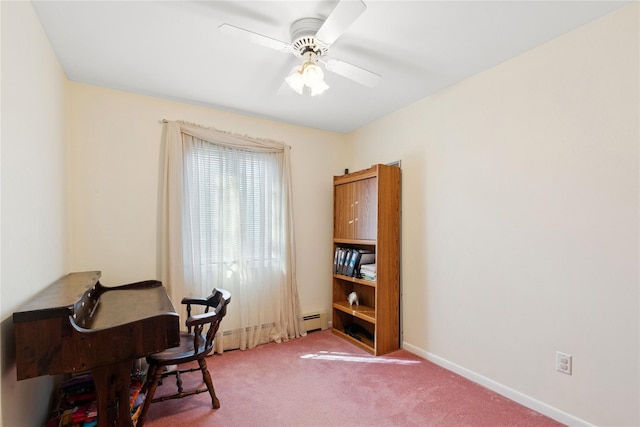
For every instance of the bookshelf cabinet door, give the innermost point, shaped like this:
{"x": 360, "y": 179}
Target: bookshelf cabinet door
{"x": 365, "y": 196}
{"x": 343, "y": 211}
{"x": 356, "y": 210}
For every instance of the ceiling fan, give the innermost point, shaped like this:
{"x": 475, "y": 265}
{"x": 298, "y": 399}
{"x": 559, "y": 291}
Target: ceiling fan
{"x": 310, "y": 40}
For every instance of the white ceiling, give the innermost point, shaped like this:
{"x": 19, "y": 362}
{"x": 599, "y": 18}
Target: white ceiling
{"x": 174, "y": 50}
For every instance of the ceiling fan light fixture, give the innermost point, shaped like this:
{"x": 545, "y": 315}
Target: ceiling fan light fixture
{"x": 311, "y": 74}
{"x": 318, "y": 87}
{"x": 295, "y": 80}
{"x": 308, "y": 75}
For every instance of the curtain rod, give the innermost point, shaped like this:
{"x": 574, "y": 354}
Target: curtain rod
{"x": 164, "y": 121}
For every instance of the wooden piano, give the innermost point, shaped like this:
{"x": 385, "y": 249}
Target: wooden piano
{"x": 76, "y": 324}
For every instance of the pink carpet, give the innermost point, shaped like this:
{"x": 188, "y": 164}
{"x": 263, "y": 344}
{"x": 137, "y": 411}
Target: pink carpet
{"x": 321, "y": 380}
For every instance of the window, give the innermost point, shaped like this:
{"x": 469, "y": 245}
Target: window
{"x": 236, "y": 233}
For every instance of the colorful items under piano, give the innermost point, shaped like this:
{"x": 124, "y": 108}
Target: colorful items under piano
{"x": 77, "y": 406}
{"x": 76, "y": 403}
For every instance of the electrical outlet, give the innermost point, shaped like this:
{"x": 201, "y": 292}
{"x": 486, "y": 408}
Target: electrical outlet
{"x": 564, "y": 363}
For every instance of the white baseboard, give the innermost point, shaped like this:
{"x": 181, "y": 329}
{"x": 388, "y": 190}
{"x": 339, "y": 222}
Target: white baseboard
{"x": 505, "y": 391}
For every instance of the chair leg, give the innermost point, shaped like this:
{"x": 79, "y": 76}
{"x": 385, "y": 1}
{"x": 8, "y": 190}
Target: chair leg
{"x": 215, "y": 403}
{"x": 145, "y": 385}
{"x": 153, "y": 377}
{"x": 179, "y": 382}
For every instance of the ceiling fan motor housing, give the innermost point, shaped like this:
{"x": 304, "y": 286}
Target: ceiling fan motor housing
{"x": 303, "y": 37}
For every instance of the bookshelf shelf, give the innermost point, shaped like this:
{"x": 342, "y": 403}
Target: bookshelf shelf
{"x": 360, "y": 311}
{"x": 355, "y": 242}
{"x": 355, "y": 280}
{"x": 367, "y": 220}
{"x": 364, "y": 343}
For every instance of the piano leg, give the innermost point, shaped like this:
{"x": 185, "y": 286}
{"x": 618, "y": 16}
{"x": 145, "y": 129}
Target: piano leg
{"x": 112, "y": 384}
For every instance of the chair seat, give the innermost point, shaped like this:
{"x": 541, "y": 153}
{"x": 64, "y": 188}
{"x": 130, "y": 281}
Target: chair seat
{"x": 181, "y": 354}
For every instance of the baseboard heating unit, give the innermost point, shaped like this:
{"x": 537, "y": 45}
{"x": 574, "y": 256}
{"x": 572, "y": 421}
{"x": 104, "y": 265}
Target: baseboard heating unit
{"x": 316, "y": 320}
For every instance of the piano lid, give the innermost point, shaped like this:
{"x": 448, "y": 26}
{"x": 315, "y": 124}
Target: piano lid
{"x": 110, "y": 307}
{"x": 59, "y": 298}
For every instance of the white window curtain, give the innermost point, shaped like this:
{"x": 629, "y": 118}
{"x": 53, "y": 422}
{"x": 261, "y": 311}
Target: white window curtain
{"x": 227, "y": 222}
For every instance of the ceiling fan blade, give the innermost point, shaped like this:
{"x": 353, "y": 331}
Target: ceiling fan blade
{"x": 350, "y": 71}
{"x": 256, "y": 38}
{"x": 342, "y": 16}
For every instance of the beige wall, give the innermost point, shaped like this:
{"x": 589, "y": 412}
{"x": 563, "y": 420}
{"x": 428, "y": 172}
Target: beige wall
{"x": 521, "y": 222}
{"x": 33, "y": 211}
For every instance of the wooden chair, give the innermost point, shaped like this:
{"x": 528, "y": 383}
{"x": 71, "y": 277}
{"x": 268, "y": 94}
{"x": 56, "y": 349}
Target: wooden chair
{"x": 195, "y": 344}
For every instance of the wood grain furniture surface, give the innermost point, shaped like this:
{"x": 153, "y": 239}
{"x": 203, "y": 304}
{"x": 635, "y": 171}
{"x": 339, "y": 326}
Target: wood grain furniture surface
{"x": 77, "y": 324}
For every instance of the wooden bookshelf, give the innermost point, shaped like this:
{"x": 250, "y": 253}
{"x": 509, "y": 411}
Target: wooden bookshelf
{"x": 367, "y": 216}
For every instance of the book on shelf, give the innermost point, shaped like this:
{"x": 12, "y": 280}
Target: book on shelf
{"x": 368, "y": 257}
{"x": 353, "y": 262}
{"x": 342, "y": 254}
{"x": 368, "y": 271}
{"x": 347, "y": 261}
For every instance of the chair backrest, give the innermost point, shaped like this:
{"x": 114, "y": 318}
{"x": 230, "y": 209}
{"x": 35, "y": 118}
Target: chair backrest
{"x": 215, "y": 308}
